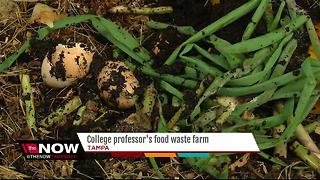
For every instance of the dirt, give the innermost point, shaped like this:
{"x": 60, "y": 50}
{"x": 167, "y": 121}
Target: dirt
{"x": 301, "y": 52}
{"x": 41, "y": 48}
{"x": 311, "y": 7}
{"x": 161, "y": 43}
{"x": 201, "y": 13}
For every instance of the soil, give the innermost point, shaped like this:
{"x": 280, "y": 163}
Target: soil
{"x": 161, "y": 43}
{"x": 201, "y": 13}
{"x": 312, "y": 8}
{"x": 301, "y": 52}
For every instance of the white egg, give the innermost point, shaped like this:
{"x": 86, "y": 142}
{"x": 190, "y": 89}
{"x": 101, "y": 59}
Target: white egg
{"x": 66, "y": 65}
{"x": 117, "y": 85}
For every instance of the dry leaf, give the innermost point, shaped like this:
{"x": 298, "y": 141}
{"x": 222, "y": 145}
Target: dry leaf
{"x": 63, "y": 168}
{"x": 312, "y": 53}
{"x": 214, "y": 2}
{"x": 317, "y": 27}
{"x": 317, "y": 130}
{"x": 139, "y": 175}
{"x": 248, "y": 115}
{"x": 116, "y": 175}
{"x": 240, "y": 162}
{"x": 131, "y": 119}
{"x": 8, "y": 10}
{"x": 310, "y": 50}
{"x": 230, "y": 103}
{"x": 139, "y": 119}
{"x": 316, "y": 108}
{"x": 45, "y": 14}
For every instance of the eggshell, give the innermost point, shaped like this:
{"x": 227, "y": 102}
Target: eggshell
{"x": 117, "y": 85}
{"x": 51, "y": 80}
{"x": 66, "y": 65}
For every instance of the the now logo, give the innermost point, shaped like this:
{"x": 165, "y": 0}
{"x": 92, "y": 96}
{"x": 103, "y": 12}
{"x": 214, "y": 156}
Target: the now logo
{"x": 52, "y": 149}
{"x": 58, "y": 148}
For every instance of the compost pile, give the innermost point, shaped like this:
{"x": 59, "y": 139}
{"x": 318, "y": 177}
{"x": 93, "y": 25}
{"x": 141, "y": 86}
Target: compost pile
{"x": 167, "y": 66}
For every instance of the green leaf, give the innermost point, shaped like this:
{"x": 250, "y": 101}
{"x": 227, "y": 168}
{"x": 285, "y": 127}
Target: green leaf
{"x": 65, "y": 22}
{"x": 11, "y": 59}
{"x": 122, "y": 39}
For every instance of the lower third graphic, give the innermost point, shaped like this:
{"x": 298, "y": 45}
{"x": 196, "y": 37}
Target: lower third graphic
{"x": 49, "y": 150}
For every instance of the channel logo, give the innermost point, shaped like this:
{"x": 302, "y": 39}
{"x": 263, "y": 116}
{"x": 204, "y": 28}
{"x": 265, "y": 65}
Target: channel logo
{"x": 52, "y": 150}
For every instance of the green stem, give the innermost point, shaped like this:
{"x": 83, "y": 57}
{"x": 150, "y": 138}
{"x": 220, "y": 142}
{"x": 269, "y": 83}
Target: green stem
{"x": 272, "y": 83}
{"x": 268, "y": 15}
{"x": 11, "y": 59}
{"x": 149, "y": 100}
{"x": 276, "y": 20}
{"x": 80, "y": 113}
{"x": 255, "y": 19}
{"x": 57, "y": 116}
{"x": 201, "y": 66}
{"x": 219, "y": 60}
{"x": 187, "y": 30}
{"x": 214, "y": 27}
{"x": 312, "y": 126}
{"x": 305, "y": 139}
{"x": 234, "y": 60}
{"x": 272, "y": 159}
{"x": 175, "y": 118}
{"x": 156, "y": 167}
{"x": 313, "y": 37}
{"x": 267, "y": 39}
{"x": 278, "y": 71}
{"x": 166, "y": 86}
{"x": 253, "y": 78}
{"x": 141, "y": 10}
{"x": 28, "y": 99}
{"x": 312, "y": 160}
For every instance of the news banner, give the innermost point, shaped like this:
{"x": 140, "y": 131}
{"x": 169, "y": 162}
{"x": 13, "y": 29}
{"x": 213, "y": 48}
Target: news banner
{"x": 141, "y": 145}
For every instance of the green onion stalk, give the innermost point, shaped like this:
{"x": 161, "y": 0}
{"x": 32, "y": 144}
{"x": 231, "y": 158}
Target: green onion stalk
{"x": 57, "y": 117}
{"x": 29, "y": 101}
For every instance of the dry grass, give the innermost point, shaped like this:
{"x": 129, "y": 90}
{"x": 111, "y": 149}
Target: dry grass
{"x": 7, "y": 173}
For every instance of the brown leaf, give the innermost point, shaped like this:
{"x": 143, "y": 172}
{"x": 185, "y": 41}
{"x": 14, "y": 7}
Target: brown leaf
{"x": 240, "y": 162}
{"x": 45, "y": 14}
{"x": 214, "y": 2}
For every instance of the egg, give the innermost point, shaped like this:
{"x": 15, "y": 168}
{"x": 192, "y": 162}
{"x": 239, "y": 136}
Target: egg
{"x": 66, "y": 65}
{"x": 117, "y": 85}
